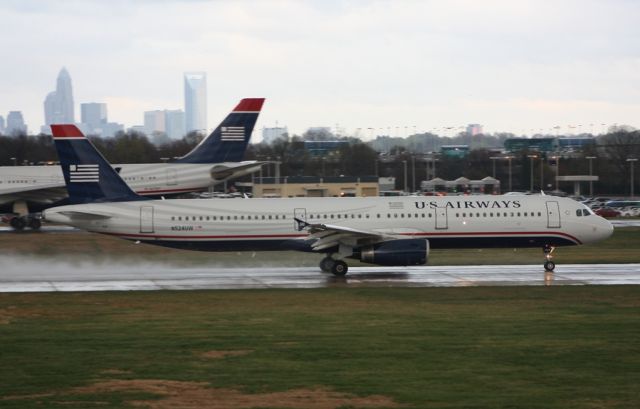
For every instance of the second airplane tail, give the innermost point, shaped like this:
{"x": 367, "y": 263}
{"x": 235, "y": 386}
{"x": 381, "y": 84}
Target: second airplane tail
{"x": 88, "y": 175}
{"x": 228, "y": 142}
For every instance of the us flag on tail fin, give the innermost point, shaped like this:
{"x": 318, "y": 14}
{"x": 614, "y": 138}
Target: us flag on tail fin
{"x": 84, "y": 173}
{"x": 232, "y": 133}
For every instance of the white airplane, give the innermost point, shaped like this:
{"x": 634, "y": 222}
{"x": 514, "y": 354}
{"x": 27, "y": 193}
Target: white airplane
{"x": 27, "y": 190}
{"x": 389, "y": 231}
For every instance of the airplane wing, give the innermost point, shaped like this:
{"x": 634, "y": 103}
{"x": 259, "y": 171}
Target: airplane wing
{"x": 328, "y": 235}
{"x": 40, "y": 193}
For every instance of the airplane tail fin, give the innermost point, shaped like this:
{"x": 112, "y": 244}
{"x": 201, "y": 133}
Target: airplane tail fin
{"x": 228, "y": 142}
{"x": 87, "y": 174}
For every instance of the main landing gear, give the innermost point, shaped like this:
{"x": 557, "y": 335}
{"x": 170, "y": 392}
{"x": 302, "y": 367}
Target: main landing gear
{"x": 336, "y": 267}
{"x": 548, "y": 264}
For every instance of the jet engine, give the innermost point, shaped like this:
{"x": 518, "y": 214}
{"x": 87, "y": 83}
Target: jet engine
{"x": 409, "y": 252}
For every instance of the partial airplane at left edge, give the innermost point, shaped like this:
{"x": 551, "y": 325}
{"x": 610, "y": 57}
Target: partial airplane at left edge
{"x": 27, "y": 190}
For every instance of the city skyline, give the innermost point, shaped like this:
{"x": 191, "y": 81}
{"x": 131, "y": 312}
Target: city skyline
{"x": 370, "y": 65}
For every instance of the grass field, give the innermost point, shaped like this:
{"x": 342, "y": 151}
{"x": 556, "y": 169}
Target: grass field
{"x": 556, "y": 347}
{"x": 503, "y": 347}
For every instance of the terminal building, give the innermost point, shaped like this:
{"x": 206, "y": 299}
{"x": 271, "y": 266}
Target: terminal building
{"x": 462, "y": 185}
{"x": 313, "y": 186}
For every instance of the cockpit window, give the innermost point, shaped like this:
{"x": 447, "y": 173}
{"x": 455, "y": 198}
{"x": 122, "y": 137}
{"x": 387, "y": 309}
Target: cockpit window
{"x": 579, "y": 212}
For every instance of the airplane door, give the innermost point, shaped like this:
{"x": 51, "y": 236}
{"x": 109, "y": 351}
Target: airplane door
{"x": 553, "y": 215}
{"x": 172, "y": 177}
{"x": 441, "y": 218}
{"x": 299, "y": 214}
{"x": 146, "y": 219}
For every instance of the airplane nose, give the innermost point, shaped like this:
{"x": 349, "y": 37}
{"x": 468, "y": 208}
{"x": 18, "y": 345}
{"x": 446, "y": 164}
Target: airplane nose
{"x": 605, "y": 229}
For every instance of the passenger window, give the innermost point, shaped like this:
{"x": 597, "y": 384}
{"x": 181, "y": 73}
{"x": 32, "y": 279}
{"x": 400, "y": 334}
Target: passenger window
{"x": 173, "y": 217}
{"x": 270, "y": 217}
{"x": 457, "y": 214}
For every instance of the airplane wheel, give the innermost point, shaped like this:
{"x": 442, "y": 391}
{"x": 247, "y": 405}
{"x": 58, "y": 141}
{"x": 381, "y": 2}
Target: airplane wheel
{"x": 35, "y": 224}
{"x": 18, "y": 223}
{"x": 339, "y": 268}
{"x": 549, "y": 265}
{"x": 326, "y": 264}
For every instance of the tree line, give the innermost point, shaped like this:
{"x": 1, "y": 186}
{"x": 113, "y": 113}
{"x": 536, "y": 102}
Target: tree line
{"x": 356, "y": 158}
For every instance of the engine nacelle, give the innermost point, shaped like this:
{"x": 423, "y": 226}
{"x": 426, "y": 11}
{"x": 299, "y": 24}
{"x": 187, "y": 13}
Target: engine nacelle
{"x": 409, "y": 252}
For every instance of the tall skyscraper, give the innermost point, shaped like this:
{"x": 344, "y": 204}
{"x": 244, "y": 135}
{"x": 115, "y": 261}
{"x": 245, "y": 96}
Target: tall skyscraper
{"x": 195, "y": 101}
{"x": 15, "y": 123}
{"x": 58, "y": 105}
{"x": 1, "y": 124}
{"x": 93, "y": 114}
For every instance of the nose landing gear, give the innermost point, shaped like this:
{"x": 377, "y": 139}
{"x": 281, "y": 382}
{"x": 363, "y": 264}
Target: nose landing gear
{"x": 548, "y": 264}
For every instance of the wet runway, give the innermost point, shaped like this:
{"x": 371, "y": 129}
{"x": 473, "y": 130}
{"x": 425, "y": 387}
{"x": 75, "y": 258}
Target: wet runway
{"x": 109, "y": 277}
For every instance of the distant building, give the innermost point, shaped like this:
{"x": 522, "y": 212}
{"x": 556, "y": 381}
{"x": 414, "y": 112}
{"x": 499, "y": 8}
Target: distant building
{"x": 575, "y": 143}
{"x": 93, "y": 114}
{"x": 474, "y": 129}
{"x": 321, "y": 148}
{"x": 58, "y": 105}
{"x": 195, "y": 101}
{"x": 15, "y": 123}
{"x": 94, "y": 120}
{"x": 2, "y": 128}
{"x": 271, "y": 134}
{"x": 109, "y": 129}
{"x": 154, "y": 121}
{"x": 175, "y": 123}
{"x": 533, "y": 144}
{"x": 312, "y": 186}
{"x": 455, "y": 151}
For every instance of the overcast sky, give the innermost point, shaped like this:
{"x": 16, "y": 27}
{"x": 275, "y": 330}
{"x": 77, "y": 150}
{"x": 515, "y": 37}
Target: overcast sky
{"x": 509, "y": 65}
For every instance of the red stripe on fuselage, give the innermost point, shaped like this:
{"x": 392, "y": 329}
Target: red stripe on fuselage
{"x": 284, "y": 236}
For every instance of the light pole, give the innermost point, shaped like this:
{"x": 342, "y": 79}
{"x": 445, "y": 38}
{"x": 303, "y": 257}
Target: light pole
{"x": 591, "y": 158}
{"x": 631, "y": 160}
{"x": 404, "y": 162}
{"x": 531, "y": 158}
{"x": 541, "y": 173}
{"x": 413, "y": 173}
{"x": 493, "y": 159}
{"x": 510, "y": 178}
{"x": 557, "y": 159}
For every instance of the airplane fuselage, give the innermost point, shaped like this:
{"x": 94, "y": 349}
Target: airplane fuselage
{"x": 268, "y": 224}
{"x": 42, "y": 186}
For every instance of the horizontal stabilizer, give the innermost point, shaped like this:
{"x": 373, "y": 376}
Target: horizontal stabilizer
{"x": 86, "y": 215}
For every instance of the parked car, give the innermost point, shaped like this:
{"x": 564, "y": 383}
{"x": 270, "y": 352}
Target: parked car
{"x": 607, "y": 212}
